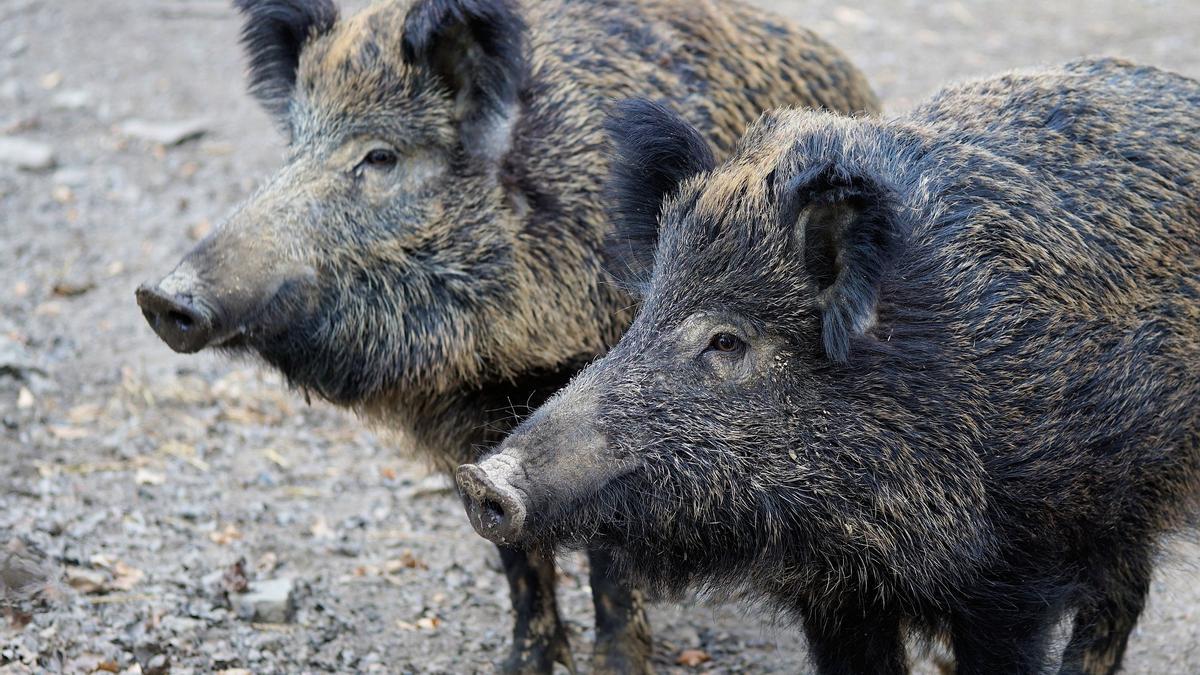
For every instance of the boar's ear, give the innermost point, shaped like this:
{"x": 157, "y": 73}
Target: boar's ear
{"x": 654, "y": 150}
{"x": 477, "y": 49}
{"x": 847, "y": 226}
{"x": 273, "y": 35}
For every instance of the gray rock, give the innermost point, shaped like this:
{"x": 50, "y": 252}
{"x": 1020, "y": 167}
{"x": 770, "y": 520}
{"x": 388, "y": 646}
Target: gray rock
{"x": 268, "y": 601}
{"x": 71, "y": 99}
{"x": 26, "y": 154}
{"x": 11, "y": 90}
{"x": 164, "y": 133}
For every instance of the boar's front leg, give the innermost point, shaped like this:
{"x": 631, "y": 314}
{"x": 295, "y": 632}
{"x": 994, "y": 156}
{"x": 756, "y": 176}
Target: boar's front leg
{"x": 853, "y": 638}
{"x": 539, "y": 637}
{"x": 623, "y": 641}
{"x": 1106, "y": 618}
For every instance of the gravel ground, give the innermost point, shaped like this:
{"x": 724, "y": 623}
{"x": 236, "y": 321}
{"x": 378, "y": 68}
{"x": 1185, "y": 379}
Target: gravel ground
{"x": 155, "y": 490}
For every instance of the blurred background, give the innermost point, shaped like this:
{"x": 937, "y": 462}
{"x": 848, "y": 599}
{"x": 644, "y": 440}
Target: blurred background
{"x": 141, "y": 491}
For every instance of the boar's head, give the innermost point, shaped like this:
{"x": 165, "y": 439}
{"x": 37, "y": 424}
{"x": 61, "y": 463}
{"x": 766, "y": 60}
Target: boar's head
{"x": 386, "y": 250}
{"x": 747, "y": 404}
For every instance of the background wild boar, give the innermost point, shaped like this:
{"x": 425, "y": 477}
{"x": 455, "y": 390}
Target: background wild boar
{"x": 933, "y": 374}
{"x": 429, "y": 254}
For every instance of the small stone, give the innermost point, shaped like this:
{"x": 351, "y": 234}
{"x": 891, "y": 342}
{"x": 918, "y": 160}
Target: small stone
{"x": 164, "y": 133}
{"x": 71, "y": 177}
{"x": 268, "y": 601}
{"x": 11, "y": 90}
{"x": 26, "y": 154}
{"x": 71, "y": 99}
{"x": 18, "y": 45}
{"x": 50, "y": 80}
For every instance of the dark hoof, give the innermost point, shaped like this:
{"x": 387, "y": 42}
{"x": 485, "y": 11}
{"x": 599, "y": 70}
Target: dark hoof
{"x": 539, "y": 659}
{"x": 620, "y": 657}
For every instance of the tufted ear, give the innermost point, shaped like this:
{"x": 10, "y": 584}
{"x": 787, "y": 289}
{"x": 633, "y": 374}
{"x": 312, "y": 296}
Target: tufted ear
{"x": 477, "y": 49}
{"x": 847, "y": 228}
{"x": 654, "y": 150}
{"x": 273, "y": 35}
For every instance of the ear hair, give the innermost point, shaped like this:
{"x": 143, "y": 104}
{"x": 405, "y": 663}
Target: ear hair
{"x": 653, "y": 151}
{"x": 273, "y": 35}
{"x": 477, "y": 48}
{"x": 846, "y": 226}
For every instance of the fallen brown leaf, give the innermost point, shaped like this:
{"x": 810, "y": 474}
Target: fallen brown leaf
{"x": 693, "y": 657}
{"x": 226, "y": 535}
{"x": 108, "y": 666}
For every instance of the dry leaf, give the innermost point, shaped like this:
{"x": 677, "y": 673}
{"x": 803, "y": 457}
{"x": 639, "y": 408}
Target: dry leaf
{"x": 125, "y": 577}
{"x": 277, "y": 458}
{"x": 406, "y": 561}
{"x": 693, "y": 657}
{"x": 429, "y": 622}
{"x": 71, "y": 289}
{"x": 148, "y": 477}
{"x": 226, "y": 535}
{"x": 108, "y": 666}
{"x": 387, "y": 472}
{"x": 85, "y": 580}
{"x": 65, "y": 433}
{"x": 84, "y": 414}
{"x": 320, "y": 529}
{"x": 184, "y": 452}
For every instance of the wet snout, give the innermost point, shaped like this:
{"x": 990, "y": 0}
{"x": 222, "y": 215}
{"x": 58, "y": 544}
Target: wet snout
{"x": 172, "y": 310}
{"x": 496, "y": 507}
{"x": 551, "y": 464}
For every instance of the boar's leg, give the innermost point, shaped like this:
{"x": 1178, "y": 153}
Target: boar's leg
{"x": 623, "y": 643}
{"x": 1003, "y": 633}
{"x": 539, "y": 637}
{"x": 854, "y": 638}
{"x": 1105, "y": 620}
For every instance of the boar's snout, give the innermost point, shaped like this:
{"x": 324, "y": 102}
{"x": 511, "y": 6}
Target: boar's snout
{"x": 497, "y": 509}
{"x": 175, "y": 315}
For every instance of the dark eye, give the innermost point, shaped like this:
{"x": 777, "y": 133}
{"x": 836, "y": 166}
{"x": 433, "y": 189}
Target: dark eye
{"x": 380, "y": 158}
{"x": 726, "y": 342}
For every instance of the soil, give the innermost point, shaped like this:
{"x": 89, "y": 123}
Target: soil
{"x": 142, "y": 491}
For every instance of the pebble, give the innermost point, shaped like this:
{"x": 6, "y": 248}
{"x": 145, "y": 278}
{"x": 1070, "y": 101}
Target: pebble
{"x": 164, "y": 133}
{"x": 71, "y": 99}
{"x": 268, "y": 601}
{"x": 26, "y": 154}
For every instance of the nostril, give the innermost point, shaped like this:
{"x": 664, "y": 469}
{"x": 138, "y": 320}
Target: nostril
{"x": 182, "y": 321}
{"x": 491, "y": 512}
{"x": 178, "y": 319}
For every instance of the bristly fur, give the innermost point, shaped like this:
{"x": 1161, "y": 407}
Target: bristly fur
{"x": 1007, "y": 434}
{"x": 477, "y": 48}
{"x": 653, "y": 151}
{"x": 273, "y": 35}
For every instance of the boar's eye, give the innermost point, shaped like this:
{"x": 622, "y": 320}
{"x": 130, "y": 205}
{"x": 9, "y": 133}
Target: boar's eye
{"x": 726, "y": 342}
{"x": 380, "y": 158}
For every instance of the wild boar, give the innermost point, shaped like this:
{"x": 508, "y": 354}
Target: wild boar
{"x": 933, "y": 375}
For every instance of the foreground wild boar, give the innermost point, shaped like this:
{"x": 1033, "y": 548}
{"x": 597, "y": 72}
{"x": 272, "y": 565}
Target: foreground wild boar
{"x": 430, "y": 252}
{"x": 936, "y": 374}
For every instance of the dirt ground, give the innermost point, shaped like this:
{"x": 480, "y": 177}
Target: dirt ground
{"x": 152, "y": 487}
